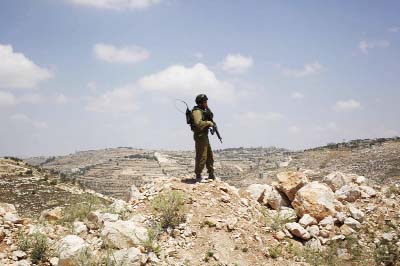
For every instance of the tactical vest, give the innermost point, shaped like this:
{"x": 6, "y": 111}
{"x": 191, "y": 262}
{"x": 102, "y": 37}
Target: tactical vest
{"x": 206, "y": 115}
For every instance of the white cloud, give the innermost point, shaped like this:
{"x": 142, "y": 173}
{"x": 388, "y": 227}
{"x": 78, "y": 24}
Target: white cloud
{"x": 366, "y": 45}
{"x": 22, "y": 118}
{"x": 347, "y": 105}
{"x": 31, "y": 98}
{"x": 17, "y": 71}
{"x": 178, "y": 80}
{"x": 121, "y": 55}
{"x": 297, "y": 95}
{"x": 117, "y": 101}
{"x": 60, "y": 99}
{"x": 116, "y": 4}
{"x": 6, "y": 99}
{"x": 394, "y": 29}
{"x": 237, "y": 63}
{"x": 308, "y": 69}
{"x": 198, "y": 55}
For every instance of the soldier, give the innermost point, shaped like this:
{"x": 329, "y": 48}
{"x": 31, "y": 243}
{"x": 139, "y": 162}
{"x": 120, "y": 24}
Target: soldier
{"x": 204, "y": 154}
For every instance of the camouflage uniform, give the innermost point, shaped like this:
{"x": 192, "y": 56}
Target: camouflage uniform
{"x": 204, "y": 154}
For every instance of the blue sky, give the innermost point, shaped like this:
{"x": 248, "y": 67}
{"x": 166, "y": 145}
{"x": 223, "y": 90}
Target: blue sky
{"x": 87, "y": 74}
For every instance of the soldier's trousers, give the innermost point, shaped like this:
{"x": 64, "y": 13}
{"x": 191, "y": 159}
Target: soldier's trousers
{"x": 204, "y": 156}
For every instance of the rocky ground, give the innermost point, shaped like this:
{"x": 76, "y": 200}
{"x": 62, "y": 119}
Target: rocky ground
{"x": 295, "y": 215}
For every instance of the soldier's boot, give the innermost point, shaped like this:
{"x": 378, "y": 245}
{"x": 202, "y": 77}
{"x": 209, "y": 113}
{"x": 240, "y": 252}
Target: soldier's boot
{"x": 198, "y": 178}
{"x": 211, "y": 176}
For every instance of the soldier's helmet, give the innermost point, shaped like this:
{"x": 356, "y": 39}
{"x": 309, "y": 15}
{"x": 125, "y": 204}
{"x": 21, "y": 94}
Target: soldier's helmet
{"x": 201, "y": 98}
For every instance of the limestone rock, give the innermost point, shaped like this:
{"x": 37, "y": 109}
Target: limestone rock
{"x": 297, "y": 230}
{"x": 367, "y": 192}
{"x": 124, "y": 234}
{"x": 287, "y": 214}
{"x": 79, "y": 227}
{"x": 135, "y": 194}
{"x": 360, "y": 180}
{"x": 356, "y": 213}
{"x": 291, "y": 182}
{"x": 119, "y": 206}
{"x": 347, "y": 230}
{"x": 313, "y": 230}
{"x": 349, "y": 193}
{"x": 307, "y": 220}
{"x": 126, "y": 257}
{"x": 7, "y": 208}
{"x": 256, "y": 191}
{"x": 275, "y": 199}
{"x": 317, "y": 200}
{"x": 314, "y": 244}
{"x": 69, "y": 248}
{"x": 53, "y": 215}
{"x": 98, "y": 217}
{"x": 354, "y": 224}
{"x": 336, "y": 180}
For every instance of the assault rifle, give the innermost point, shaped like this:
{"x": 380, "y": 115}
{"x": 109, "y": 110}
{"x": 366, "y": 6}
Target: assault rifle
{"x": 210, "y": 117}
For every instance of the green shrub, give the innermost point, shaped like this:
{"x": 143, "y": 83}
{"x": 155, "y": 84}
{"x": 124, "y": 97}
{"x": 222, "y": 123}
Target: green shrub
{"x": 387, "y": 254}
{"x": 80, "y": 208}
{"x": 23, "y": 241}
{"x": 170, "y": 207}
{"x": 150, "y": 243}
{"x": 39, "y": 247}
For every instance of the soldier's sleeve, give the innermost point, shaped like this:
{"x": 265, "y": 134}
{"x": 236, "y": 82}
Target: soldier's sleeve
{"x": 198, "y": 122}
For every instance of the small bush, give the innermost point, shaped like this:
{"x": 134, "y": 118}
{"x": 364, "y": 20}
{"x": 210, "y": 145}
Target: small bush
{"x": 150, "y": 243}
{"x": 387, "y": 254}
{"x": 275, "y": 251}
{"x": 80, "y": 208}
{"x": 275, "y": 222}
{"x": 23, "y": 241}
{"x": 39, "y": 247}
{"x": 170, "y": 207}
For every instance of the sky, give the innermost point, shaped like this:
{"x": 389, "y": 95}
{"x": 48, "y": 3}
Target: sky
{"x": 89, "y": 74}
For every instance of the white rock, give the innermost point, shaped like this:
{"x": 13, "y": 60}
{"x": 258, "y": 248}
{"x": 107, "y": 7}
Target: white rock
{"x": 22, "y": 263}
{"x": 69, "y": 248}
{"x": 134, "y": 194}
{"x": 356, "y": 213}
{"x": 336, "y": 180}
{"x": 388, "y": 236}
{"x": 316, "y": 199}
{"x": 314, "y": 244}
{"x": 256, "y": 191}
{"x": 354, "y": 224}
{"x": 313, "y": 230}
{"x": 287, "y": 214}
{"x": 98, "y": 217}
{"x": 124, "y": 234}
{"x": 327, "y": 221}
{"x": 6, "y": 207}
{"x": 52, "y": 215}
{"x": 367, "y": 192}
{"x": 12, "y": 218}
{"x": 361, "y": 180}
{"x": 119, "y": 206}
{"x": 307, "y": 220}
{"x": 274, "y": 198}
{"x": 18, "y": 254}
{"x": 291, "y": 182}
{"x": 349, "y": 193}
{"x": 79, "y": 227}
{"x": 126, "y": 257}
{"x": 340, "y": 216}
{"x": 54, "y": 261}
{"x": 297, "y": 230}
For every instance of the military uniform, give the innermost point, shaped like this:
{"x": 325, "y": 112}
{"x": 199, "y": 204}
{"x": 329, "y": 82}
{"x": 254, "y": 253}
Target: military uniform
{"x": 204, "y": 154}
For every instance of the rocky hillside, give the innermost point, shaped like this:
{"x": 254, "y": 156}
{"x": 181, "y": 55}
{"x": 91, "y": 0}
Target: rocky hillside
{"x": 341, "y": 219}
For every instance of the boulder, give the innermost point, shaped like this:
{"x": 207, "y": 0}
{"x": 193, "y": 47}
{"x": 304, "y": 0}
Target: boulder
{"x": 257, "y": 191}
{"x": 313, "y": 230}
{"x": 337, "y": 180}
{"x": 119, "y": 206}
{"x": 135, "y": 194}
{"x": 287, "y": 214}
{"x": 124, "y": 234}
{"x": 70, "y": 247}
{"x": 356, "y": 213}
{"x": 297, "y": 230}
{"x": 317, "y": 200}
{"x": 307, "y": 220}
{"x": 349, "y": 193}
{"x": 79, "y": 227}
{"x": 98, "y": 217}
{"x": 354, "y": 224}
{"x": 7, "y": 208}
{"x": 274, "y": 198}
{"x": 367, "y": 192}
{"x": 52, "y": 215}
{"x": 291, "y": 182}
{"x": 126, "y": 257}
{"x": 360, "y": 180}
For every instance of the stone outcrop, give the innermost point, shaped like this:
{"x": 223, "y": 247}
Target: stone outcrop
{"x": 291, "y": 182}
{"x": 317, "y": 200}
